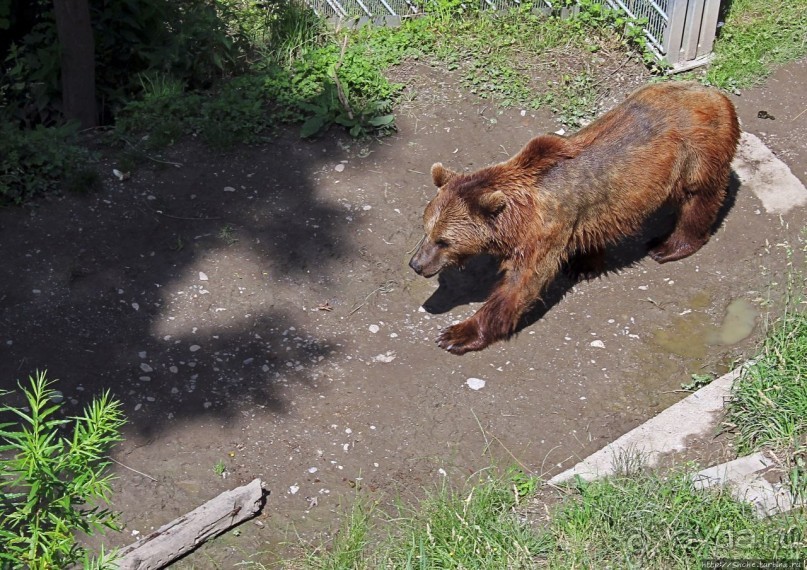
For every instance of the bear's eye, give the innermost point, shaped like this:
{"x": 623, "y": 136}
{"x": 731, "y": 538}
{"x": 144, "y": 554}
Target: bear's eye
{"x": 441, "y": 243}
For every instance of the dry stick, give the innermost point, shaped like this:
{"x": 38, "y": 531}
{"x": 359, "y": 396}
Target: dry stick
{"x": 160, "y": 212}
{"x": 340, "y": 92}
{"x": 417, "y": 245}
{"x": 131, "y": 469}
{"x": 800, "y": 114}
{"x": 178, "y": 164}
{"x": 386, "y": 287}
{"x": 488, "y": 443}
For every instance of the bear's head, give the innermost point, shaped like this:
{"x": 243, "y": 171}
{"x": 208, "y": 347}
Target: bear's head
{"x": 483, "y": 211}
{"x": 458, "y": 222}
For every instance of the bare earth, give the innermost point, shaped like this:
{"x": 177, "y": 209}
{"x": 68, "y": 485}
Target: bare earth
{"x": 256, "y": 308}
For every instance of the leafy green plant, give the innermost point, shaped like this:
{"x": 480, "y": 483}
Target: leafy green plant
{"x": 236, "y": 112}
{"x": 697, "y": 381}
{"x": 52, "y": 475}
{"x": 576, "y": 99}
{"x": 42, "y": 159}
{"x": 220, "y": 468}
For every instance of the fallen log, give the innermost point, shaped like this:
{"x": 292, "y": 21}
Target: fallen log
{"x": 180, "y": 536}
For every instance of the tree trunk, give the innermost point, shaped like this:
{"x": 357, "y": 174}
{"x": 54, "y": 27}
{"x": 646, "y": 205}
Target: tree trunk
{"x": 78, "y": 60}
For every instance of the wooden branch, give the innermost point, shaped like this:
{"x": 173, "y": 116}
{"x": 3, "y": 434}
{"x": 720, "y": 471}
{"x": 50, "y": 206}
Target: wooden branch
{"x": 180, "y": 536}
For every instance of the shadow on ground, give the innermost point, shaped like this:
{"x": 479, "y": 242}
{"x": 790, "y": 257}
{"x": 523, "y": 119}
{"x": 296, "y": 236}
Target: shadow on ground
{"x": 148, "y": 289}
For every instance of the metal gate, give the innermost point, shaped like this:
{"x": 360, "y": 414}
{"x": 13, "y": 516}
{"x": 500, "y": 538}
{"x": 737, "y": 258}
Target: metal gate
{"x": 681, "y": 32}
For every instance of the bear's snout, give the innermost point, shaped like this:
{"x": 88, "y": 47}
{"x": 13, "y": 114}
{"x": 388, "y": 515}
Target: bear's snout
{"x": 416, "y": 266}
{"x": 427, "y": 260}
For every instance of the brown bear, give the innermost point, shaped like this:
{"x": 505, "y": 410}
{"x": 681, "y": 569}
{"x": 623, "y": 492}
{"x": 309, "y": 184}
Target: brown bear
{"x": 668, "y": 144}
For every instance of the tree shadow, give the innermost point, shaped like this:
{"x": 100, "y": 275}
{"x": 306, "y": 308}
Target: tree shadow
{"x": 475, "y": 282}
{"x": 162, "y": 288}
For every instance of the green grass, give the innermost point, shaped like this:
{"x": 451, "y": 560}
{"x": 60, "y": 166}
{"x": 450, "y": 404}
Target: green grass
{"x": 648, "y": 522}
{"x": 769, "y": 405}
{"x": 757, "y": 36}
{"x": 347, "y": 549}
{"x": 642, "y": 521}
{"x": 475, "y": 526}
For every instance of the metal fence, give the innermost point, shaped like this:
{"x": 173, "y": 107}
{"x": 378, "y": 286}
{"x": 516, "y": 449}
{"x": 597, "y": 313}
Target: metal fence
{"x": 681, "y": 32}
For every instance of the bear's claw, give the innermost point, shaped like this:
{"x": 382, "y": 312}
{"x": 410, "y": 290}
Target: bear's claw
{"x": 461, "y": 338}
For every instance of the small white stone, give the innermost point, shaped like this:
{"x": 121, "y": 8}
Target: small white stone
{"x": 229, "y": 189}
{"x": 136, "y": 306}
{"x": 312, "y": 469}
{"x": 145, "y": 367}
{"x": 202, "y": 276}
{"x": 142, "y": 354}
{"x": 373, "y": 328}
{"x": 597, "y": 344}
{"x": 339, "y": 167}
{"x": 293, "y": 489}
{"x": 475, "y": 383}
{"x": 194, "y": 347}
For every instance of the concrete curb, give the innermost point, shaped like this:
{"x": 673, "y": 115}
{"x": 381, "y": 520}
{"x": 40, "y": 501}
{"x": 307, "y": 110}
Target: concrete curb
{"x": 745, "y": 479}
{"x": 695, "y": 415}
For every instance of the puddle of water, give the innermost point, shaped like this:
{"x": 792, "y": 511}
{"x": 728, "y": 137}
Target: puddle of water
{"x": 737, "y": 325}
{"x": 690, "y": 335}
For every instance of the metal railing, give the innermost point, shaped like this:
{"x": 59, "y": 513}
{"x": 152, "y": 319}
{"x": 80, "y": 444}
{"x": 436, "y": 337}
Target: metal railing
{"x": 680, "y": 32}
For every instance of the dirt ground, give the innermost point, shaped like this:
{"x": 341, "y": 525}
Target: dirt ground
{"x": 255, "y": 308}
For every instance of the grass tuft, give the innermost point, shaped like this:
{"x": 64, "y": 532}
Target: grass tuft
{"x": 650, "y": 522}
{"x": 756, "y": 37}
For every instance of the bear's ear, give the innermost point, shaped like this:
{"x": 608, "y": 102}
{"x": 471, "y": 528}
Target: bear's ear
{"x": 493, "y": 202}
{"x": 441, "y": 175}
{"x": 543, "y": 152}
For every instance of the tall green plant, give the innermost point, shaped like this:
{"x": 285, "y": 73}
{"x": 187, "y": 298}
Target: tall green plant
{"x": 53, "y": 472}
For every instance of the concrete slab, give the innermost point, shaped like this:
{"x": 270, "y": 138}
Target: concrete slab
{"x": 745, "y": 479}
{"x": 768, "y": 177}
{"x": 695, "y": 415}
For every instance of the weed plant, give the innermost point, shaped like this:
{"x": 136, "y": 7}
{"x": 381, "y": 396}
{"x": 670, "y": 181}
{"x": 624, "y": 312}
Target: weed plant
{"x": 52, "y": 477}
{"x": 41, "y": 159}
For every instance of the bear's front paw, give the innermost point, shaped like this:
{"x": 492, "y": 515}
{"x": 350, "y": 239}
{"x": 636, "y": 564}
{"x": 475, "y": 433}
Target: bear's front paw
{"x": 462, "y": 338}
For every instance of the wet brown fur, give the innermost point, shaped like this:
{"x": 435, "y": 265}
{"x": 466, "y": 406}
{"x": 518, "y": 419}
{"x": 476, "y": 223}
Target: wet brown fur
{"x": 666, "y": 144}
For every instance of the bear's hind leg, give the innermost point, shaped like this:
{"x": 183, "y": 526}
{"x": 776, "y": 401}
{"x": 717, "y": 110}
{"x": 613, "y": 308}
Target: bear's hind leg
{"x": 696, "y": 218}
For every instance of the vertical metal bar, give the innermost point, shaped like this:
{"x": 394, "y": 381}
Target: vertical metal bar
{"x": 708, "y": 27}
{"x": 692, "y": 29}
{"x": 674, "y": 34}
